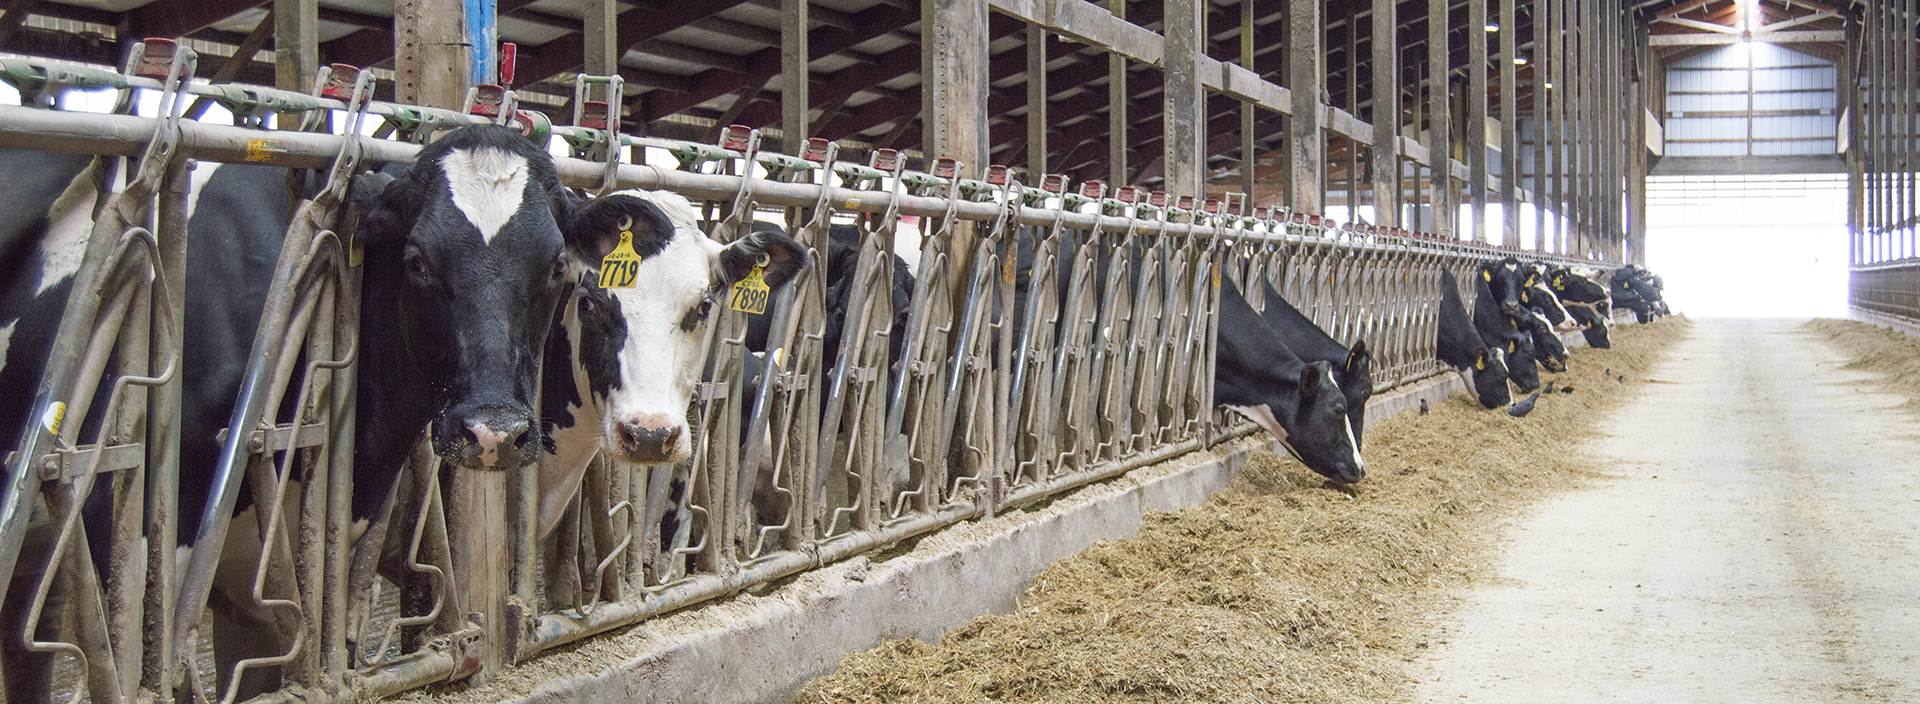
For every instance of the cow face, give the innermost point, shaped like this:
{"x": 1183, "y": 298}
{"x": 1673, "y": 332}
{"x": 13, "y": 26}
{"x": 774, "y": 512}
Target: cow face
{"x": 469, "y": 238}
{"x": 1521, "y": 367}
{"x": 1358, "y": 388}
{"x": 680, "y": 280}
{"x": 1489, "y": 377}
{"x": 1536, "y": 294}
{"x": 1323, "y": 437}
{"x": 1503, "y": 279}
{"x": 1548, "y": 349}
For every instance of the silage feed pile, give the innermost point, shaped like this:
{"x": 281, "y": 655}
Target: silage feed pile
{"x": 1893, "y": 355}
{"x": 1281, "y": 588}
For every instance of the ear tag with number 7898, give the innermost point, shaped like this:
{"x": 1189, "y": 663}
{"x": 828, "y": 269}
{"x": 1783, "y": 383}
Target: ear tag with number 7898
{"x": 750, "y": 294}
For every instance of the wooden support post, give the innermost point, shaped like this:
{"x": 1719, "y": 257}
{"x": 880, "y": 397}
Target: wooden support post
{"x": 1036, "y": 100}
{"x": 1439, "y": 120}
{"x": 1305, "y": 76}
{"x": 1249, "y": 149}
{"x": 795, "y": 102}
{"x": 296, "y": 48}
{"x": 1542, "y": 56}
{"x": 1353, "y": 108}
{"x": 1386, "y": 115}
{"x": 431, "y": 59}
{"x": 1637, "y": 146}
{"x": 1117, "y": 108}
{"x": 1908, "y": 145}
{"x": 1578, "y": 96}
{"x": 1875, "y": 103}
{"x": 601, "y": 32}
{"x": 1476, "y": 122}
{"x": 1850, "y": 102}
{"x": 1184, "y": 113}
{"x": 1509, "y": 124}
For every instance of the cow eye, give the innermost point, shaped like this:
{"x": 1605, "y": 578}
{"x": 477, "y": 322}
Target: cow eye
{"x": 416, "y": 264}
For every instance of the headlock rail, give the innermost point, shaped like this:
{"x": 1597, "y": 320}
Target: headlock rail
{"x": 1055, "y": 336}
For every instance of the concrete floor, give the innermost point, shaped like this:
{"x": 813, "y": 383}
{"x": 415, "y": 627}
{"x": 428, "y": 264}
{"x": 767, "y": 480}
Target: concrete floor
{"x": 1761, "y": 544}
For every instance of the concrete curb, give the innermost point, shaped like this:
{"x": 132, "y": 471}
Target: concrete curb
{"x": 1883, "y": 320}
{"x": 763, "y": 649}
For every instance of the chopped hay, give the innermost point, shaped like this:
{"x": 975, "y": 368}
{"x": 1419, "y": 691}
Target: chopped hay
{"x": 1892, "y": 355}
{"x": 1282, "y": 588}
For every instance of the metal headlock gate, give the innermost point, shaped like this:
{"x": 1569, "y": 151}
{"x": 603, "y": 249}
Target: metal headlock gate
{"x": 1112, "y": 371}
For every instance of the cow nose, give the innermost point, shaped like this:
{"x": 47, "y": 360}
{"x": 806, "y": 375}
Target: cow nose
{"x": 495, "y": 435}
{"x": 649, "y": 439}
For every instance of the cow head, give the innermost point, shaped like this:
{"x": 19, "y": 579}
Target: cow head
{"x": 1489, "y": 377}
{"x": 1521, "y": 367}
{"x": 1548, "y": 349}
{"x": 470, "y": 239}
{"x": 681, "y": 280}
{"x": 1503, "y": 279}
{"x": 1322, "y": 437}
{"x": 1535, "y": 293}
{"x": 1358, "y": 372}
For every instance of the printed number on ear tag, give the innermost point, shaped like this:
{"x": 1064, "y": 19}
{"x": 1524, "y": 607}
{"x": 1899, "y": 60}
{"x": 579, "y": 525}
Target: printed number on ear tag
{"x": 750, "y": 294}
{"x": 621, "y": 267}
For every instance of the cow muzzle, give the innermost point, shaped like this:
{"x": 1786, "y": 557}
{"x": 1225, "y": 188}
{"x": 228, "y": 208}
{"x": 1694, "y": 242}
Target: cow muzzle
{"x": 651, "y": 438}
{"x": 491, "y": 438}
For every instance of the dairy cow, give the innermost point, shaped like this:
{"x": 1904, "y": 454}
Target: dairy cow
{"x": 636, "y": 351}
{"x": 1458, "y": 345}
{"x": 1352, "y": 367}
{"x": 1587, "y": 303}
{"x": 1492, "y": 320}
{"x": 1295, "y": 400}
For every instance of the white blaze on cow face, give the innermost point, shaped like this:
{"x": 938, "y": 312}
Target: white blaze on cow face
{"x": 667, "y": 317}
{"x": 69, "y": 223}
{"x": 1353, "y": 444}
{"x": 487, "y": 186}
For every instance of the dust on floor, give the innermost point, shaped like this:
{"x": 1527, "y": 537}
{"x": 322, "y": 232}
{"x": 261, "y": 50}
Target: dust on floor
{"x": 1282, "y": 588}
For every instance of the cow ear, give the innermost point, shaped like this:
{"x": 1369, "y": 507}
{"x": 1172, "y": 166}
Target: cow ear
{"x": 778, "y": 256}
{"x": 1480, "y": 358}
{"x": 1357, "y": 357}
{"x": 593, "y": 228}
{"x": 388, "y": 205}
{"x": 1310, "y": 377}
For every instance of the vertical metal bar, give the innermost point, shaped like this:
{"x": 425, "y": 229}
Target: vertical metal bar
{"x": 794, "y": 76}
{"x": 1476, "y": 122}
{"x": 1036, "y": 101}
{"x": 159, "y": 666}
{"x": 1184, "y": 114}
{"x": 1305, "y": 76}
{"x": 600, "y": 30}
{"x": 1439, "y": 120}
{"x": 1386, "y": 114}
{"x": 1117, "y": 107}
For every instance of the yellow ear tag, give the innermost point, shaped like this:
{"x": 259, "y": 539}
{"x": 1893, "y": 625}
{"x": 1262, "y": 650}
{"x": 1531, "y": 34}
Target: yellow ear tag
{"x": 1486, "y": 275}
{"x": 750, "y": 294}
{"x": 1513, "y": 347}
{"x": 621, "y": 267}
{"x": 53, "y": 416}
{"x": 1523, "y": 296}
{"x": 1480, "y": 364}
{"x": 1559, "y": 284}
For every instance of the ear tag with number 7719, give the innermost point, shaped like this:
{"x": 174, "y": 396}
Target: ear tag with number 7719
{"x": 621, "y": 267}
{"x": 751, "y": 293}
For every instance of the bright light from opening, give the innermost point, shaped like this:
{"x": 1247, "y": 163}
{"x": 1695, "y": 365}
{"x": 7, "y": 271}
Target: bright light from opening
{"x": 1549, "y": 85}
{"x": 1519, "y": 60}
{"x": 1491, "y": 27}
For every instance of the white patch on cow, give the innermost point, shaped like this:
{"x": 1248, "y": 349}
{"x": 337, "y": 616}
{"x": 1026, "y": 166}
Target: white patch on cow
{"x": 561, "y": 473}
{"x": 1263, "y": 416}
{"x": 1358, "y": 463}
{"x": 197, "y": 185}
{"x": 6, "y": 339}
{"x": 69, "y": 223}
{"x": 661, "y": 362}
{"x": 487, "y": 186}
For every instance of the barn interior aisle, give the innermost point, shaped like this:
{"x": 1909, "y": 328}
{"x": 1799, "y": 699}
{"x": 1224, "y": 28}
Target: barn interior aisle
{"x": 1756, "y": 541}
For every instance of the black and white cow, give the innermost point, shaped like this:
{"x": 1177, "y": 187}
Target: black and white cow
{"x": 1496, "y": 328}
{"x": 1638, "y": 290}
{"x": 1503, "y": 280}
{"x": 1537, "y": 295}
{"x": 1352, "y": 367}
{"x": 1458, "y": 345}
{"x": 1297, "y": 401}
{"x": 46, "y": 215}
{"x": 843, "y": 255}
{"x": 1587, "y": 302}
{"x": 637, "y": 351}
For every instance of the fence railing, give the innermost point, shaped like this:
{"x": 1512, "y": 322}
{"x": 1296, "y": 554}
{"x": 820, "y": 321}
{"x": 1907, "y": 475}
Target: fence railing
{"x": 1888, "y": 288}
{"x": 1111, "y": 370}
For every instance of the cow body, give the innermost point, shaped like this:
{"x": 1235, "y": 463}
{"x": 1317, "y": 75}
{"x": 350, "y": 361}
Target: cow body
{"x": 1297, "y": 401}
{"x": 1459, "y": 345}
{"x": 1496, "y": 328}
